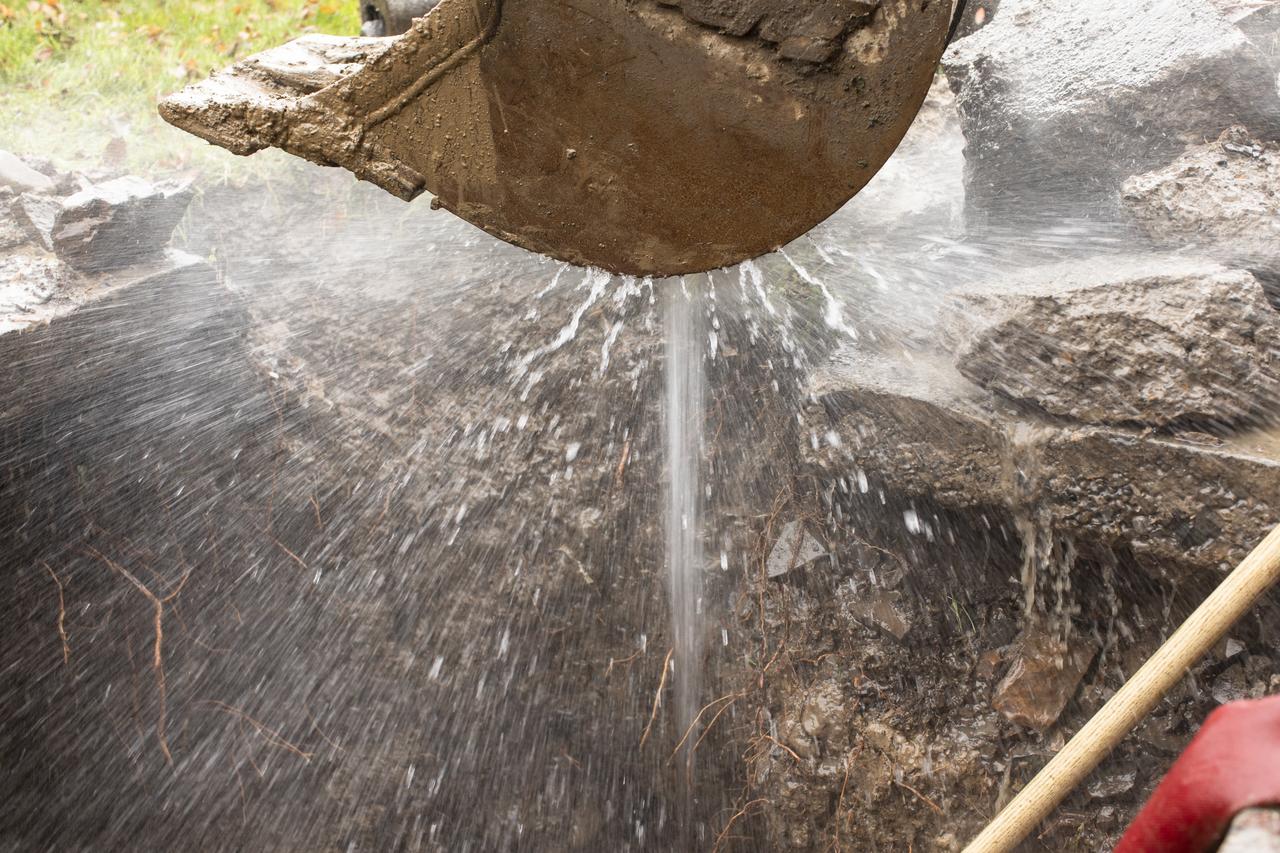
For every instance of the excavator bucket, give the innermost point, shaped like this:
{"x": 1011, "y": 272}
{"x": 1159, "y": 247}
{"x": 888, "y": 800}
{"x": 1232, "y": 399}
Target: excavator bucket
{"x": 645, "y": 137}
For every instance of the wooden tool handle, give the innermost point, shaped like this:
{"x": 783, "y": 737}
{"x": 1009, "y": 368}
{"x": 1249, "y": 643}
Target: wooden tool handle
{"x": 1135, "y": 700}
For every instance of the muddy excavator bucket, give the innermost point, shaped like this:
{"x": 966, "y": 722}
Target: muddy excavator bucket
{"x": 647, "y": 137}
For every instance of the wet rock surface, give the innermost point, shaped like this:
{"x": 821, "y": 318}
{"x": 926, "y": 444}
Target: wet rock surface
{"x": 35, "y": 215}
{"x": 1063, "y": 100}
{"x": 1222, "y": 199}
{"x": 794, "y": 549}
{"x": 349, "y": 460}
{"x": 18, "y": 176}
{"x": 1184, "y": 500}
{"x": 916, "y": 739}
{"x": 1155, "y": 341}
{"x": 117, "y": 223}
{"x": 1045, "y": 673}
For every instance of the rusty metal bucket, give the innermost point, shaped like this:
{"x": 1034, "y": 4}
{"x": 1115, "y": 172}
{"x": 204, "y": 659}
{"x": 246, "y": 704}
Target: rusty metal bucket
{"x": 648, "y": 137}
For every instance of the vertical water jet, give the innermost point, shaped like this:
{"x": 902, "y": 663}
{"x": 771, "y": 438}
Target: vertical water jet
{"x": 683, "y": 412}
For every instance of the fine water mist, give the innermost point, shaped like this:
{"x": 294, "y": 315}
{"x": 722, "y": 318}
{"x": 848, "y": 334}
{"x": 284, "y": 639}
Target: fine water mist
{"x": 369, "y": 531}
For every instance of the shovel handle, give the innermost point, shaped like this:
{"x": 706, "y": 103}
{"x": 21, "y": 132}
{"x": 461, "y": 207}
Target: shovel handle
{"x": 1135, "y": 700}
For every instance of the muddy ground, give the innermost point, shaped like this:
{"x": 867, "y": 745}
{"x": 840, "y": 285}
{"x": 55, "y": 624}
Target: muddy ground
{"x": 394, "y": 615}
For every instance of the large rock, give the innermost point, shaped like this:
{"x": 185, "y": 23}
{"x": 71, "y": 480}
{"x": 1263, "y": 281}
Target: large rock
{"x": 118, "y": 223}
{"x": 1223, "y": 198}
{"x": 18, "y": 176}
{"x": 12, "y": 232}
{"x": 1177, "y": 504}
{"x": 1063, "y": 99}
{"x": 1143, "y": 340}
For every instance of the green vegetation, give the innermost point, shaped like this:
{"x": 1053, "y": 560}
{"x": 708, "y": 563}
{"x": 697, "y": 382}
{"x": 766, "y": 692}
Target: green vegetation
{"x": 79, "y": 79}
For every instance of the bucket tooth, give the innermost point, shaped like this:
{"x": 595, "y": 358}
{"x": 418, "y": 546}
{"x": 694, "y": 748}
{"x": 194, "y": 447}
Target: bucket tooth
{"x": 325, "y": 98}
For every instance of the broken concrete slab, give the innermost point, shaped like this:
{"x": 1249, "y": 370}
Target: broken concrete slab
{"x": 1043, "y": 677}
{"x": 1179, "y": 504}
{"x": 118, "y": 223}
{"x": 18, "y": 176}
{"x": 1144, "y": 340}
{"x": 1062, "y": 100}
{"x": 1222, "y": 199}
{"x": 795, "y": 547}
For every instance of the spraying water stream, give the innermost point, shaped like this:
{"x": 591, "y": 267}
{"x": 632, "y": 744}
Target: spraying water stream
{"x": 456, "y": 545}
{"x": 683, "y": 414}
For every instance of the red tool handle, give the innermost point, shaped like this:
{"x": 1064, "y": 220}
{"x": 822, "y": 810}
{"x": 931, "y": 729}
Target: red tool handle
{"x": 1233, "y": 764}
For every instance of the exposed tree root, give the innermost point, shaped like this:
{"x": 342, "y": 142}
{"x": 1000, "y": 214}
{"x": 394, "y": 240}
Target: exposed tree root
{"x": 724, "y": 833}
{"x": 157, "y": 661}
{"x": 271, "y": 736}
{"x": 937, "y": 809}
{"x": 62, "y": 616}
{"x": 292, "y": 555}
{"x": 657, "y": 696}
{"x": 613, "y": 662}
{"x": 731, "y": 698}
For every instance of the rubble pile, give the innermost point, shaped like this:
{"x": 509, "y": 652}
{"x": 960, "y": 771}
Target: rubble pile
{"x": 1012, "y": 510}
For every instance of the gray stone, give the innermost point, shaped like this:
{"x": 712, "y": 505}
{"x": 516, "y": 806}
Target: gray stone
{"x": 1148, "y": 340}
{"x": 1062, "y": 100}
{"x": 1222, "y": 198}
{"x": 1113, "y": 785}
{"x": 1230, "y": 686}
{"x": 795, "y": 548}
{"x": 1042, "y": 679}
{"x": 17, "y": 175}
{"x": 34, "y": 288}
{"x": 118, "y": 223}
{"x": 36, "y": 213}
{"x": 37, "y": 290}
{"x": 1180, "y": 504}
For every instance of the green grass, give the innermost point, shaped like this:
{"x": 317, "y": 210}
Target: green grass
{"x": 79, "y": 79}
